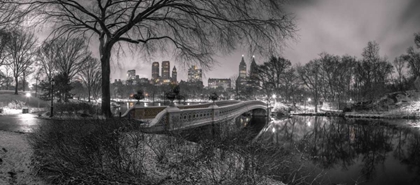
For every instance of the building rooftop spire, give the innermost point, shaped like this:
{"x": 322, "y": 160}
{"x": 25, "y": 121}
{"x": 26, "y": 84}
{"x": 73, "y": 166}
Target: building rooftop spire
{"x": 242, "y": 61}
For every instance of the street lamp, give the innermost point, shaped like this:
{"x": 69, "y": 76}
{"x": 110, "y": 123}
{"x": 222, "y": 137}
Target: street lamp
{"x": 27, "y": 96}
{"x": 309, "y": 100}
{"x": 52, "y": 98}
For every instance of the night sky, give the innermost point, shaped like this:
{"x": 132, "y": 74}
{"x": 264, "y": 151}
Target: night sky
{"x": 334, "y": 26}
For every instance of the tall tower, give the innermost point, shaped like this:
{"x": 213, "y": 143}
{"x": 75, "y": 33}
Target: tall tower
{"x": 253, "y": 69}
{"x": 155, "y": 70}
{"x": 165, "y": 69}
{"x": 242, "y": 68}
{"x": 174, "y": 75}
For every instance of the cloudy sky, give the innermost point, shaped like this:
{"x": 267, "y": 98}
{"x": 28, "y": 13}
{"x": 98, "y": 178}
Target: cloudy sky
{"x": 335, "y": 26}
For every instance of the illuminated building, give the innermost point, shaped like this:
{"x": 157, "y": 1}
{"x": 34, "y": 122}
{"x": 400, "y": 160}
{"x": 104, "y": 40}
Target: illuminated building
{"x": 219, "y": 82}
{"x": 165, "y": 70}
{"x": 155, "y": 71}
{"x": 194, "y": 74}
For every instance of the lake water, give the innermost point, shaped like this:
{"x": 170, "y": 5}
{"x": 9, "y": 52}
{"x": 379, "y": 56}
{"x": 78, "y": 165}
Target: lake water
{"x": 350, "y": 151}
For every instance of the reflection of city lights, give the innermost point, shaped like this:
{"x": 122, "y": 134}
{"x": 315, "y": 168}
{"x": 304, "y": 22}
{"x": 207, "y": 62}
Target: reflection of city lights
{"x": 309, "y": 123}
{"x": 274, "y": 130}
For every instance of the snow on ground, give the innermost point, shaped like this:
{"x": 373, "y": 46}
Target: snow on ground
{"x": 7, "y": 111}
{"x": 15, "y": 159}
{"x": 413, "y": 106}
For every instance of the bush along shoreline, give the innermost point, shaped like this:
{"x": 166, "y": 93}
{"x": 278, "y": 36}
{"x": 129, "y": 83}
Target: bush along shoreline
{"x": 113, "y": 152}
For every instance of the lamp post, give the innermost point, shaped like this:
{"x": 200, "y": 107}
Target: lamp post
{"x": 52, "y": 98}
{"x": 309, "y": 100}
{"x": 274, "y": 98}
{"x": 27, "y": 96}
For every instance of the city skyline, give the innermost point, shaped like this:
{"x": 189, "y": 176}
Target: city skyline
{"x": 339, "y": 27}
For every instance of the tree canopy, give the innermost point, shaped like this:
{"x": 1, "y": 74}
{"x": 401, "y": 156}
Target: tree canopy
{"x": 193, "y": 30}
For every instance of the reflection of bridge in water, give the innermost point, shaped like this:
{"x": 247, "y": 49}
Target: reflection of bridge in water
{"x": 172, "y": 118}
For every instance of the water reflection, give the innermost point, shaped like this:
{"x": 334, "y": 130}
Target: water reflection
{"x": 369, "y": 151}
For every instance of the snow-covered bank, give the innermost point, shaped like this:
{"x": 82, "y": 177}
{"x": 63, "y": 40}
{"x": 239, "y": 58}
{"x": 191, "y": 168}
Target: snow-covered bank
{"x": 15, "y": 159}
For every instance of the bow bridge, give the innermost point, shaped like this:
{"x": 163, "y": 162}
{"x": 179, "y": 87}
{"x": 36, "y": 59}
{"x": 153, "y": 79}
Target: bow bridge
{"x": 161, "y": 119}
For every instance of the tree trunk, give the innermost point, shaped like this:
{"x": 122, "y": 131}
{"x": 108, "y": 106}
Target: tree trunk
{"x": 23, "y": 82}
{"x": 89, "y": 93}
{"x": 17, "y": 84}
{"x": 105, "y": 65}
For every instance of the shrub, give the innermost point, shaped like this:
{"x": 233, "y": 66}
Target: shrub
{"x": 86, "y": 152}
{"x": 74, "y": 108}
{"x": 16, "y": 104}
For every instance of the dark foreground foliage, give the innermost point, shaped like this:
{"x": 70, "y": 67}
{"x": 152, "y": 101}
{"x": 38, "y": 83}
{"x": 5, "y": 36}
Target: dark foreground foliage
{"x": 83, "y": 152}
{"x": 113, "y": 152}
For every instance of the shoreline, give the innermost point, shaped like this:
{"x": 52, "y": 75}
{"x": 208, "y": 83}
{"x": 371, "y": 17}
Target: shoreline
{"x": 377, "y": 115}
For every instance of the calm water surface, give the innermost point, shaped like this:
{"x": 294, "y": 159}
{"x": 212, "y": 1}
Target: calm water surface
{"x": 351, "y": 151}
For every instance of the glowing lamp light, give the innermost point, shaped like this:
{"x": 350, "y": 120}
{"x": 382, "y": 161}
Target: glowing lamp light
{"x": 28, "y": 95}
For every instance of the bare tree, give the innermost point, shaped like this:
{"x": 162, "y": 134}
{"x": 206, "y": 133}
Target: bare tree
{"x": 72, "y": 54}
{"x": 20, "y": 49}
{"x": 10, "y": 14}
{"x": 413, "y": 57}
{"x": 4, "y": 40}
{"x": 310, "y": 75}
{"x": 399, "y": 65}
{"x": 274, "y": 72}
{"x": 193, "y": 30}
{"x": 46, "y": 56}
{"x": 91, "y": 75}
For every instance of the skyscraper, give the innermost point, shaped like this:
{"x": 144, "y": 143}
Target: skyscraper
{"x": 253, "y": 72}
{"x": 155, "y": 71}
{"x": 194, "y": 74}
{"x": 174, "y": 75}
{"x": 165, "y": 70}
{"x": 131, "y": 74}
{"x": 242, "y": 68}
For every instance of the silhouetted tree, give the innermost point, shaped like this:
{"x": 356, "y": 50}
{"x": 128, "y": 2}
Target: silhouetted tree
{"x": 194, "y": 30}
{"x": 91, "y": 75}
{"x": 20, "y": 50}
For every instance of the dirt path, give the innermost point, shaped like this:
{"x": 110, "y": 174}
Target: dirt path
{"x": 15, "y": 159}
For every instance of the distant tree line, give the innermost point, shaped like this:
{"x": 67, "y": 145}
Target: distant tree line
{"x": 339, "y": 78}
{"x": 67, "y": 61}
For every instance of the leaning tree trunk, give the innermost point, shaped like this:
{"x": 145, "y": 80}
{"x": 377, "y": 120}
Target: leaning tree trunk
{"x": 17, "y": 84}
{"x": 105, "y": 65}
